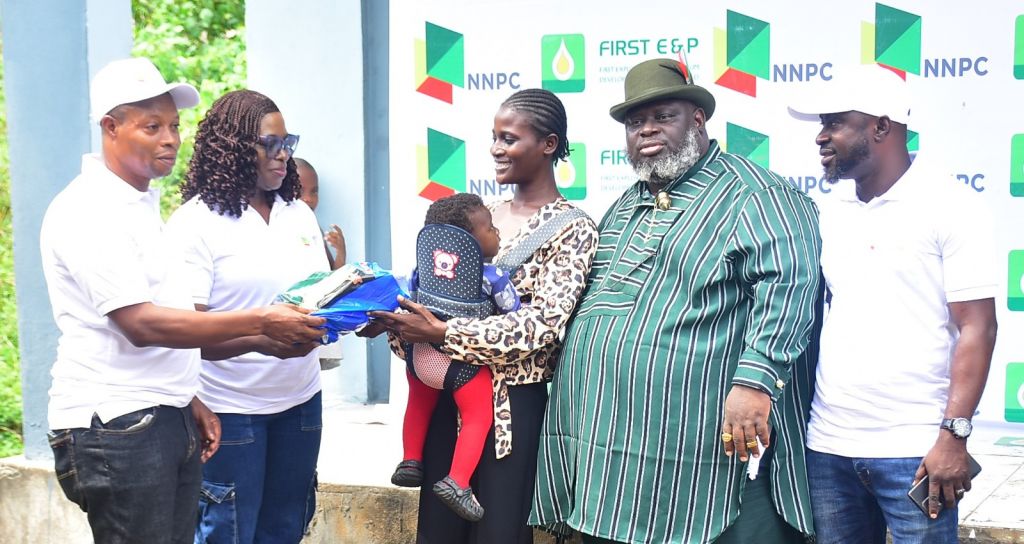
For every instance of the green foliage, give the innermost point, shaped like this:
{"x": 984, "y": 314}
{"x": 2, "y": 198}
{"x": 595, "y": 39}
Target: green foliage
{"x": 10, "y": 376}
{"x": 201, "y": 42}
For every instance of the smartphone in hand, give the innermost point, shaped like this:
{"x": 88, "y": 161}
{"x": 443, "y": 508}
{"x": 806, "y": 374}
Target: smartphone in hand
{"x": 919, "y": 493}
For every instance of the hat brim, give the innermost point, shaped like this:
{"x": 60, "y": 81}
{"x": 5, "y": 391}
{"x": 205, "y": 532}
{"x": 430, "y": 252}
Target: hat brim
{"x": 691, "y": 93}
{"x": 184, "y": 95}
{"x": 817, "y": 101}
{"x": 804, "y": 116}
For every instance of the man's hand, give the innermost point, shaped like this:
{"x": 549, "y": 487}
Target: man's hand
{"x": 273, "y": 348}
{"x": 209, "y": 428}
{"x": 290, "y": 324}
{"x": 417, "y": 326}
{"x": 746, "y": 418}
{"x": 947, "y": 470}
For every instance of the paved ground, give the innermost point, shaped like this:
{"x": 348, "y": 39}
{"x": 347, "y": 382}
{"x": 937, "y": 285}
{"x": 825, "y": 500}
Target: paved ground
{"x": 362, "y": 444}
{"x": 996, "y": 499}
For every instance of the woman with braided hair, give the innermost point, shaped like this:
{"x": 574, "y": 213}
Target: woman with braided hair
{"x": 247, "y": 237}
{"x": 548, "y": 245}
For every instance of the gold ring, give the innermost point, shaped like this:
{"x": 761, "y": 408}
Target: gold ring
{"x": 751, "y": 444}
{"x": 726, "y": 437}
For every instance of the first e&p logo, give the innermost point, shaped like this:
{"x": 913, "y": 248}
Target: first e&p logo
{"x": 1014, "y": 393}
{"x": 1017, "y": 165}
{"x": 563, "y": 61}
{"x": 1015, "y": 279}
{"x": 571, "y": 174}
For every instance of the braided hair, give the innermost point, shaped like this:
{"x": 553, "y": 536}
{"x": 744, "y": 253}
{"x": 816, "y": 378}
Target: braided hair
{"x": 454, "y": 210}
{"x": 223, "y": 169}
{"x": 546, "y": 115}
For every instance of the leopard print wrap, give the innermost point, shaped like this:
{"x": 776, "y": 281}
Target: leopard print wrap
{"x": 522, "y": 347}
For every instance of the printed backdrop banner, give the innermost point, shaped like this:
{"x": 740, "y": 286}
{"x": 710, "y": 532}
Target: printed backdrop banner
{"x": 454, "y": 62}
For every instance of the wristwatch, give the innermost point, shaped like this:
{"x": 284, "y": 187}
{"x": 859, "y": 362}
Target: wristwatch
{"x": 960, "y": 426}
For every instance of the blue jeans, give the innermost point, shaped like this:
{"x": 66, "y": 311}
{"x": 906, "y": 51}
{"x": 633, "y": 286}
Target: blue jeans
{"x": 260, "y": 486}
{"x": 137, "y": 476}
{"x": 854, "y": 499}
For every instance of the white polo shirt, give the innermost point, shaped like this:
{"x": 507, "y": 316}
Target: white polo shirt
{"x": 892, "y": 266}
{"x": 239, "y": 263}
{"x": 102, "y": 249}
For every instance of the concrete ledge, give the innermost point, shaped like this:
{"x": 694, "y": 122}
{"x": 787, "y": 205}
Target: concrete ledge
{"x": 33, "y": 509}
{"x": 350, "y": 513}
{"x": 372, "y": 515}
{"x": 990, "y": 535}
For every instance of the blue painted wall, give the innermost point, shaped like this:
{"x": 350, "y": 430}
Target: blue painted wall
{"x": 376, "y": 68}
{"x": 50, "y": 48}
{"x": 309, "y": 58}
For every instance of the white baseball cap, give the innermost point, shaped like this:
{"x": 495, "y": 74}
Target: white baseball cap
{"x": 130, "y": 80}
{"x": 867, "y": 88}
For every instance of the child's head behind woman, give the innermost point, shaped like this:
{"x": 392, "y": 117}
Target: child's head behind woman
{"x": 466, "y": 211}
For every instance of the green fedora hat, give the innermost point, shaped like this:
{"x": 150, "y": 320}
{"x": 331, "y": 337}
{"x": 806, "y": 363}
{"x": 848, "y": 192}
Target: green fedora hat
{"x": 659, "y": 79}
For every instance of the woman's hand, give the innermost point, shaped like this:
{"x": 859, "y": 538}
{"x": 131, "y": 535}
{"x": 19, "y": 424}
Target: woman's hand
{"x": 208, "y": 425}
{"x": 417, "y": 326}
{"x": 372, "y": 329}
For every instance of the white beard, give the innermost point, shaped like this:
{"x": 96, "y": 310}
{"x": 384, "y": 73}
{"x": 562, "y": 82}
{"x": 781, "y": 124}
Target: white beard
{"x": 665, "y": 169}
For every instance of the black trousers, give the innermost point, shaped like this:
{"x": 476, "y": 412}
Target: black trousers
{"x": 137, "y": 476}
{"x": 504, "y": 487}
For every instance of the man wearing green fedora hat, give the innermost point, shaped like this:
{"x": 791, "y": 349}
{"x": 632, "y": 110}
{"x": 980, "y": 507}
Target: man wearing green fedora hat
{"x": 678, "y": 409}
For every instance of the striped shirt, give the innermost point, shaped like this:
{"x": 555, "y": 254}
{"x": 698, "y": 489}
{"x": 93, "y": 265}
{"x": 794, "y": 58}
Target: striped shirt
{"x": 681, "y": 305}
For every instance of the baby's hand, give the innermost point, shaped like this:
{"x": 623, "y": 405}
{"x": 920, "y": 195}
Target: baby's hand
{"x": 336, "y": 239}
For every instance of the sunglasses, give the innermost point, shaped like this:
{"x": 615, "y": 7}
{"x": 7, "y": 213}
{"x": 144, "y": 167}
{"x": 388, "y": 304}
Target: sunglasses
{"x": 273, "y": 144}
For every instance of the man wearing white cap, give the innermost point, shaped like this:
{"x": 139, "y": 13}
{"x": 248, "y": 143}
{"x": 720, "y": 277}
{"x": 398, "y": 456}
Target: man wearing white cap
{"x": 906, "y": 345}
{"x": 127, "y": 434}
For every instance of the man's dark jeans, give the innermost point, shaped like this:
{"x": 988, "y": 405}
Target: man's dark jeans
{"x": 137, "y": 476}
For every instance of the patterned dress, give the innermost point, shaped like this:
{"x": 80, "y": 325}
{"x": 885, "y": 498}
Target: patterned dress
{"x": 521, "y": 346}
{"x": 681, "y": 305}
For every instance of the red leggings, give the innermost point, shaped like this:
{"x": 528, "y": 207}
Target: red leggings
{"x": 476, "y": 409}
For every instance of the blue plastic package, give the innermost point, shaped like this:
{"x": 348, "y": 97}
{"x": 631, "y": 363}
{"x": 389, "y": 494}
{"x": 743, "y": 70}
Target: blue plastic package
{"x": 347, "y": 313}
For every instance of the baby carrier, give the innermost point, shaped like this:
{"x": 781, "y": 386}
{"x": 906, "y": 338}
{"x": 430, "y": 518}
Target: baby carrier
{"x": 449, "y": 270}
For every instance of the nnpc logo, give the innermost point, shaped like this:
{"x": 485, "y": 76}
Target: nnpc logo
{"x": 747, "y": 143}
{"x": 742, "y": 52}
{"x": 440, "y": 166}
{"x": 894, "y": 41}
{"x": 440, "y": 62}
{"x": 563, "y": 63}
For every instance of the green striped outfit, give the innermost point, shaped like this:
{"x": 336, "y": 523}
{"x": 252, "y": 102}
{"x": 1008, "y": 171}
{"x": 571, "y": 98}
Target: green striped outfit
{"x": 681, "y": 304}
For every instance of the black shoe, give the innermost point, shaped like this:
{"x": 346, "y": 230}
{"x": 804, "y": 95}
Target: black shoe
{"x": 408, "y": 473}
{"x": 459, "y": 499}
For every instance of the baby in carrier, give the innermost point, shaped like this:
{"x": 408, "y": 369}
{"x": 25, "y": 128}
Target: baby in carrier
{"x": 451, "y": 280}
